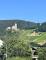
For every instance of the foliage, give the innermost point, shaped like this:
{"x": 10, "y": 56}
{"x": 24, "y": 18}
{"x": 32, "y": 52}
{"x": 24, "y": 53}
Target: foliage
{"x": 42, "y": 53}
{"x": 19, "y": 58}
{"x": 20, "y": 23}
{"x": 19, "y": 42}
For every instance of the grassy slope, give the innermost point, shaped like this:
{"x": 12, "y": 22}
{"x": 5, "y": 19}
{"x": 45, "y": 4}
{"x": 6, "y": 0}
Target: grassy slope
{"x": 19, "y": 58}
{"x": 42, "y": 38}
{"x": 23, "y": 37}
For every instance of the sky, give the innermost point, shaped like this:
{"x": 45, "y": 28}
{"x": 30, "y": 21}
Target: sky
{"x": 30, "y": 10}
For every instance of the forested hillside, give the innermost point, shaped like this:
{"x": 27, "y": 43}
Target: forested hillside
{"x": 21, "y": 24}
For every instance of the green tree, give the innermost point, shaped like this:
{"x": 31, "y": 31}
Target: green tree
{"x": 42, "y": 53}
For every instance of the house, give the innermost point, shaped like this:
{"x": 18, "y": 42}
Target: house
{"x": 14, "y": 27}
{"x": 34, "y": 33}
{"x": 8, "y": 28}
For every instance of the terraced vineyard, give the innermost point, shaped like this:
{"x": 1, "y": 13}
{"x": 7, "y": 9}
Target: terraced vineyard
{"x": 25, "y": 35}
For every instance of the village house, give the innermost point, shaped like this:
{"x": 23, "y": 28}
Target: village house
{"x": 13, "y": 28}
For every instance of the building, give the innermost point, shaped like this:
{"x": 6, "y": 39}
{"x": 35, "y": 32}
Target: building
{"x": 14, "y": 27}
{"x": 8, "y": 28}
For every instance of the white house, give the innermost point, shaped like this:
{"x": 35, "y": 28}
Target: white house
{"x": 8, "y": 28}
{"x": 14, "y": 27}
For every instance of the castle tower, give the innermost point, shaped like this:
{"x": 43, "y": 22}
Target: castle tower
{"x": 15, "y": 26}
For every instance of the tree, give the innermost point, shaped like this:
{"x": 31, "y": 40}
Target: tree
{"x": 42, "y": 53}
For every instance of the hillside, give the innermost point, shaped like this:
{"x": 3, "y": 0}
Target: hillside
{"x": 21, "y": 24}
{"x": 20, "y": 42}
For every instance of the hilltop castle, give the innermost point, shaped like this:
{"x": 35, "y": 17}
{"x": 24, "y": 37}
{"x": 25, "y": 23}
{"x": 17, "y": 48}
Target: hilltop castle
{"x": 14, "y": 27}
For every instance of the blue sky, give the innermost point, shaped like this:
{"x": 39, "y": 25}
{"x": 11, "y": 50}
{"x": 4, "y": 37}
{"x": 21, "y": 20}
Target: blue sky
{"x": 32, "y": 10}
